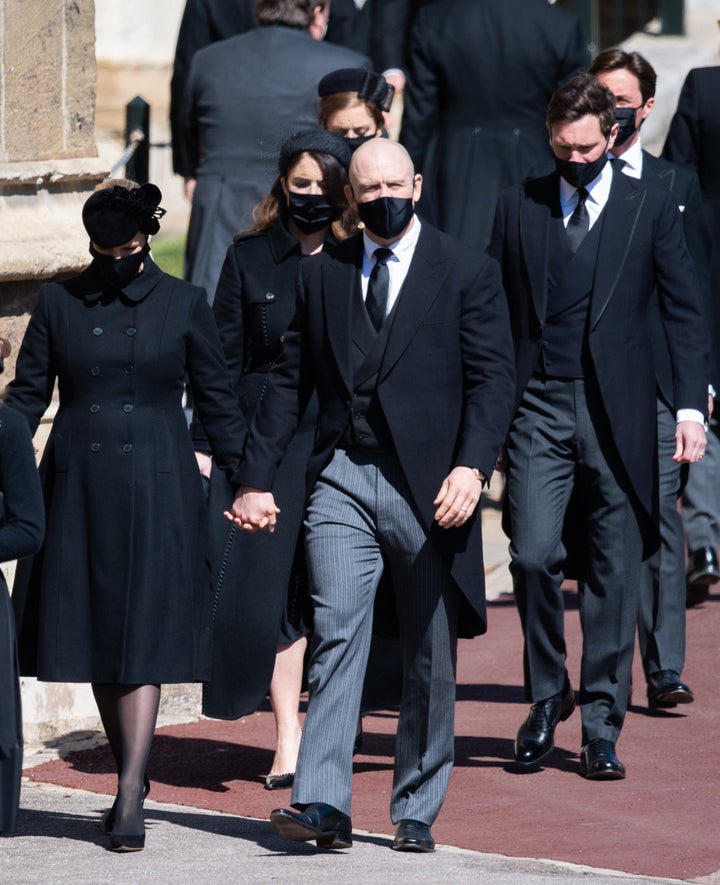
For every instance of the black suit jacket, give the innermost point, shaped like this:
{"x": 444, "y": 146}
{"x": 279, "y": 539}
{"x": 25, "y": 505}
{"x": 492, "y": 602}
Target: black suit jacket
{"x": 480, "y": 75}
{"x": 683, "y": 184}
{"x": 642, "y": 250}
{"x": 445, "y": 384}
{"x": 694, "y": 141}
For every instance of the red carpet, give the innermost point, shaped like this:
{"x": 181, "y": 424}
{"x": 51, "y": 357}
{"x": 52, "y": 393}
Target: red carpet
{"x": 661, "y": 821}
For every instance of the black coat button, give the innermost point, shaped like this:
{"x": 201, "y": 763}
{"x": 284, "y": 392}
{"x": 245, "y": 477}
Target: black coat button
{"x": 97, "y": 331}
{"x": 131, "y": 330}
{"x": 128, "y": 407}
{"x": 95, "y": 371}
{"x": 269, "y": 296}
{"x": 129, "y": 370}
{"x": 94, "y": 408}
{"x": 95, "y": 447}
{"x": 127, "y": 448}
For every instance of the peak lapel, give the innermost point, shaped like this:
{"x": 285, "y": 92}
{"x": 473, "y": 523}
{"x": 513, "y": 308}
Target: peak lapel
{"x": 423, "y": 282}
{"x": 621, "y": 215}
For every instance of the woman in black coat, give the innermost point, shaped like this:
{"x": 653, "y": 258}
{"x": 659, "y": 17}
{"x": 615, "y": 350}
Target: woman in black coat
{"x": 21, "y": 533}
{"x": 119, "y": 596}
{"x": 260, "y": 579}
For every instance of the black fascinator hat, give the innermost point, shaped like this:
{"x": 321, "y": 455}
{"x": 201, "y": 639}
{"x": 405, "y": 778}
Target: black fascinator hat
{"x": 113, "y": 215}
{"x": 369, "y": 86}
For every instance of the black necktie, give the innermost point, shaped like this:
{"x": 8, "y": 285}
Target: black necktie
{"x": 579, "y": 222}
{"x": 378, "y": 288}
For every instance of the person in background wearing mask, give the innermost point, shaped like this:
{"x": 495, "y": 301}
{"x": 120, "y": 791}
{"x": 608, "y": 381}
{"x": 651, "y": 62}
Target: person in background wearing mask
{"x": 661, "y": 618}
{"x": 403, "y": 333}
{"x": 582, "y": 252}
{"x": 261, "y": 620}
{"x": 352, "y": 103}
{"x": 119, "y": 596}
{"x": 21, "y": 534}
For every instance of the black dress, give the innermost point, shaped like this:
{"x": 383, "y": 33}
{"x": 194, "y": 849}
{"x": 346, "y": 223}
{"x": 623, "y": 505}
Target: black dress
{"x": 120, "y": 592}
{"x": 21, "y": 532}
{"x": 260, "y": 581}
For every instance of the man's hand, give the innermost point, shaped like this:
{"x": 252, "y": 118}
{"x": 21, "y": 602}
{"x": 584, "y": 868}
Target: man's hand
{"x": 253, "y": 510}
{"x": 189, "y": 188}
{"x": 690, "y": 442}
{"x": 458, "y": 497}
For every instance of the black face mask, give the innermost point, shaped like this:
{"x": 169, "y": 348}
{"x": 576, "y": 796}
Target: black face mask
{"x": 625, "y": 118}
{"x": 118, "y": 272}
{"x": 354, "y": 143}
{"x": 386, "y": 217}
{"x": 581, "y": 174}
{"x": 311, "y": 212}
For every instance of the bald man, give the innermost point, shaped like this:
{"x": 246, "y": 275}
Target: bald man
{"x": 403, "y": 332}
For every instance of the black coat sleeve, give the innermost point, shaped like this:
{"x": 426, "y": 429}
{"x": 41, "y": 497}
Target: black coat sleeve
{"x": 420, "y": 112}
{"x": 681, "y": 145}
{"x": 21, "y": 513}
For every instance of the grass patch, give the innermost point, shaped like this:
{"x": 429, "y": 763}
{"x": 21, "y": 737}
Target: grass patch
{"x": 168, "y": 252}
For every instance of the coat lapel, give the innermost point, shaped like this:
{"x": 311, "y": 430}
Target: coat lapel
{"x": 339, "y": 279}
{"x": 539, "y": 199}
{"x": 621, "y": 215}
{"x": 423, "y": 283}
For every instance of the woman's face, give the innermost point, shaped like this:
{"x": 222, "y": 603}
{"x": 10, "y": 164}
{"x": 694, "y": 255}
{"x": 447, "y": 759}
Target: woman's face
{"x": 129, "y": 248}
{"x": 353, "y": 122}
{"x": 305, "y": 177}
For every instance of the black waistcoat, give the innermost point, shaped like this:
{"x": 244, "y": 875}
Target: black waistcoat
{"x": 367, "y": 430}
{"x": 570, "y": 282}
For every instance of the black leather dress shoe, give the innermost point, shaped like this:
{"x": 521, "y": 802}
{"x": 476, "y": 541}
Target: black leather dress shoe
{"x": 703, "y": 568}
{"x": 534, "y": 740}
{"x": 413, "y": 835}
{"x": 598, "y": 761}
{"x": 665, "y": 690}
{"x": 327, "y": 826}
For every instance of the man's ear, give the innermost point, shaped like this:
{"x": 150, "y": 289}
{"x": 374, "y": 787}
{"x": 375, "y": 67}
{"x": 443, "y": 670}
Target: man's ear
{"x": 350, "y": 196}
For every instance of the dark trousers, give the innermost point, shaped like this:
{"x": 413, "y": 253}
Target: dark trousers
{"x": 559, "y": 443}
{"x": 661, "y": 620}
{"x": 360, "y": 519}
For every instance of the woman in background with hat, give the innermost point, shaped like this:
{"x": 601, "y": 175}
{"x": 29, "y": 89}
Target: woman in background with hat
{"x": 260, "y": 622}
{"x": 119, "y": 594}
{"x": 353, "y": 102}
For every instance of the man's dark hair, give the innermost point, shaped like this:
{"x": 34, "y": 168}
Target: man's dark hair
{"x": 292, "y": 13}
{"x": 580, "y": 96}
{"x": 616, "y": 59}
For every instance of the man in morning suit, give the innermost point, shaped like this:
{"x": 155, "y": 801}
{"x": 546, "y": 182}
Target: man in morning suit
{"x": 694, "y": 141}
{"x": 661, "y": 615}
{"x": 403, "y": 332}
{"x": 582, "y": 252}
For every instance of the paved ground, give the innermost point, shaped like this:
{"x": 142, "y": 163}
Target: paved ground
{"x": 207, "y": 812}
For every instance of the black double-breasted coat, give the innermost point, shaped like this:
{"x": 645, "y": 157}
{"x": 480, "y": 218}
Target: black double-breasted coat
{"x": 445, "y": 384}
{"x": 120, "y": 592}
{"x": 479, "y": 78}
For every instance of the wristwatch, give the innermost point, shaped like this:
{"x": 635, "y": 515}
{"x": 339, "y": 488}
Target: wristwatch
{"x": 480, "y": 477}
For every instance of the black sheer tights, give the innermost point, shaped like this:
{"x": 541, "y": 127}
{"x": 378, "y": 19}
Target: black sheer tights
{"x": 129, "y": 714}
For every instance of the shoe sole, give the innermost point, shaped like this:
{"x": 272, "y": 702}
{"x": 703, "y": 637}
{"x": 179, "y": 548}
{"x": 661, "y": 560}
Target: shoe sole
{"x": 540, "y": 759}
{"x": 670, "y": 700}
{"x": 294, "y": 831}
{"x": 413, "y": 847}
{"x": 705, "y": 579}
{"x": 604, "y": 775}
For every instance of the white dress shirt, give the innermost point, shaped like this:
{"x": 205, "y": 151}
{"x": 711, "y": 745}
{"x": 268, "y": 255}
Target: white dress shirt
{"x": 398, "y": 265}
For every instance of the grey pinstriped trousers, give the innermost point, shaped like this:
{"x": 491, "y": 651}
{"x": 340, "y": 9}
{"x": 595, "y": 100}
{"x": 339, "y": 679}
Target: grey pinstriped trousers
{"x": 359, "y": 520}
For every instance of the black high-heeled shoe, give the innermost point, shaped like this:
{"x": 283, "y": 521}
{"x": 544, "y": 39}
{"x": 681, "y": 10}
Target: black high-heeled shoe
{"x": 127, "y": 842}
{"x": 109, "y": 819}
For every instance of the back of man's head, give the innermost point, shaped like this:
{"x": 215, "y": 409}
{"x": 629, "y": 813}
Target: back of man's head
{"x": 617, "y": 59}
{"x": 581, "y": 96}
{"x": 292, "y": 13}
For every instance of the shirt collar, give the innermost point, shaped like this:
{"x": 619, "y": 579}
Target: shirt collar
{"x": 401, "y": 247}
{"x": 633, "y": 160}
